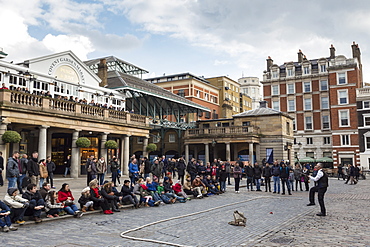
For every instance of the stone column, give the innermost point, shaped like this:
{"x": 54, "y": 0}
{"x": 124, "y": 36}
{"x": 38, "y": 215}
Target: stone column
{"x": 187, "y": 153}
{"x": 258, "y": 152}
{"x": 251, "y": 152}
{"x": 75, "y": 155}
{"x": 206, "y": 152}
{"x": 196, "y": 152}
{"x": 103, "y": 150}
{"x": 42, "y": 141}
{"x": 48, "y": 148}
{"x": 121, "y": 151}
{"x": 145, "y": 145}
{"x": 126, "y": 154}
{"x": 228, "y": 154}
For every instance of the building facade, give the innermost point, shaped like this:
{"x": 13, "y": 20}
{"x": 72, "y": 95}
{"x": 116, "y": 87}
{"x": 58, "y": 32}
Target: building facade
{"x": 363, "y": 114}
{"x": 252, "y": 87}
{"x": 320, "y": 95}
{"x": 258, "y": 135}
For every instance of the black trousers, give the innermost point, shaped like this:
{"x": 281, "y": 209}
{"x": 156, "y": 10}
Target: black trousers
{"x": 51, "y": 179}
{"x": 268, "y": 184}
{"x": 296, "y": 184}
{"x": 17, "y": 214}
{"x": 1, "y": 179}
{"x": 237, "y": 182}
{"x": 320, "y": 197}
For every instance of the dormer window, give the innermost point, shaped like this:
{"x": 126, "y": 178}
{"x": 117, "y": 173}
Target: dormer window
{"x": 306, "y": 70}
{"x": 274, "y": 74}
{"x": 290, "y": 72}
{"x": 322, "y": 68}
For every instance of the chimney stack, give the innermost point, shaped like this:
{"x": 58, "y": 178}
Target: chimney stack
{"x": 269, "y": 63}
{"x": 263, "y": 104}
{"x": 103, "y": 72}
{"x": 332, "y": 52}
{"x": 300, "y": 56}
{"x": 356, "y": 52}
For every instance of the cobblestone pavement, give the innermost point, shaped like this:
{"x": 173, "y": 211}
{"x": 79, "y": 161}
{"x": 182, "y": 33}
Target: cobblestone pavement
{"x": 272, "y": 220}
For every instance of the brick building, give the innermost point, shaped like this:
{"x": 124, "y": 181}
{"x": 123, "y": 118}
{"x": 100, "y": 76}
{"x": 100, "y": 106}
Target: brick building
{"x": 321, "y": 95}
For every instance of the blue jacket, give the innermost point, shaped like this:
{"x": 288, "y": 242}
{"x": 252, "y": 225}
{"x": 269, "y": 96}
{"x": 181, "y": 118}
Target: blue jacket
{"x": 12, "y": 169}
{"x": 133, "y": 168}
{"x": 152, "y": 187}
{"x": 3, "y": 208}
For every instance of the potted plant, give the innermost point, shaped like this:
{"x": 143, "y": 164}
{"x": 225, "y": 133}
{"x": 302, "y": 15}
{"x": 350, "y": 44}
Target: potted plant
{"x": 111, "y": 144}
{"x": 11, "y": 136}
{"x": 151, "y": 147}
{"x": 83, "y": 142}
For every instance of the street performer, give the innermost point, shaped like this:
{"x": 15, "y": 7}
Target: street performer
{"x": 322, "y": 185}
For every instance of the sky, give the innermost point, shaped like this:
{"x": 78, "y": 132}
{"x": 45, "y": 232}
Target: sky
{"x": 204, "y": 37}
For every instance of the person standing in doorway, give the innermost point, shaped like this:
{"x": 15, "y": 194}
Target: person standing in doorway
{"x": 68, "y": 164}
{"x": 88, "y": 169}
{"x": 322, "y": 186}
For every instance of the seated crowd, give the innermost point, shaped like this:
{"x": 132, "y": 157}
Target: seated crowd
{"x": 148, "y": 192}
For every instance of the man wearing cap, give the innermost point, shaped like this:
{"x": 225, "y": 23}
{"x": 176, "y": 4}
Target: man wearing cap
{"x": 17, "y": 204}
{"x": 321, "y": 187}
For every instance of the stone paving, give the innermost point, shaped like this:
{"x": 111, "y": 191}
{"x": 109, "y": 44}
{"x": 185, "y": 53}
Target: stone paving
{"x": 291, "y": 223}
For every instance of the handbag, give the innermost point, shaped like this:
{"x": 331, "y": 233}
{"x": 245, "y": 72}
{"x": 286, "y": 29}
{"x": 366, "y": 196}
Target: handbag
{"x": 68, "y": 203}
{"x": 119, "y": 173}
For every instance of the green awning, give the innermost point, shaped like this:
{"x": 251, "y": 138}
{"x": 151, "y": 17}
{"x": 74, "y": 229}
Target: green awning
{"x": 324, "y": 159}
{"x": 307, "y": 160}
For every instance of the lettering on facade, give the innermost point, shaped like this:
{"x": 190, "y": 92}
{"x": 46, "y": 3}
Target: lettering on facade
{"x": 64, "y": 60}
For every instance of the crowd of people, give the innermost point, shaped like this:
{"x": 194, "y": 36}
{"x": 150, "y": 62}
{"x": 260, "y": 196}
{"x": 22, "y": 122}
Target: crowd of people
{"x": 151, "y": 184}
{"x": 65, "y": 98}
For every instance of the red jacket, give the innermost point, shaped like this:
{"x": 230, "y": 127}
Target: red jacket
{"x": 177, "y": 188}
{"x": 63, "y": 195}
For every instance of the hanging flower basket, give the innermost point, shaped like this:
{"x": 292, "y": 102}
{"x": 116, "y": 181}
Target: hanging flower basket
{"x": 83, "y": 142}
{"x": 11, "y": 136}
{"x": 151, "y": 147}
{"x": 111, "y": 144}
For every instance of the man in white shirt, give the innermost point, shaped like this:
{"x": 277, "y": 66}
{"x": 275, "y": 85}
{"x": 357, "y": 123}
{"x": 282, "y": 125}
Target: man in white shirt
{"x": 321, "y": 187}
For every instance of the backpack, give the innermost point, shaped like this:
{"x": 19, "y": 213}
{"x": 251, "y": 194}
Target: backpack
{"x": 26, "y": 181}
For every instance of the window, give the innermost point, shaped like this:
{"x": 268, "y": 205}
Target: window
{"x": 198, "y": 93}
{"x": 326, "y": 139}
{"x": 291, "y": 105}
{"x": 344, "y": 121}
{"x": 140, "y": 140}
{"x": 366, "y": 104}
{"x": 308, "y": 123}
{"x": 324, "y": 102}
{"x": 342, "y": 97}
{"x": 294, "y": 124}
{"x": 345, "y": 140}
{"x": 325, "y": 122}
{"x": 206, "y": 96}
{"x": 274, "y": 74}
{"x": 309, "y": 140}
{"x": 306, "y": 87}
{"x": 156, "y": 138}
{"x": 275, "y": 105}
{"x": 275, "y": 89}
{"x": 245, "y": 90}
{"x": 171, "y": 138}
{"x": 326, "y": 154}
{"x": 287, "y": 128}
{"x": 367, "y": 142}
{"x": 181, "y": 92}
{"x": 248, "y": 123}
{"x": 290, "y": 88}
{"x": 367, "y": 120}
{"x": 310, "y": 154}
{"x": 322, "y": 68}
{"x": 342, "y": 78}
{"x": 324, "y": 85}
{"x": 290, "y": 72}
{"x": 306, "y": 70}
{"x": 307, "y": 104}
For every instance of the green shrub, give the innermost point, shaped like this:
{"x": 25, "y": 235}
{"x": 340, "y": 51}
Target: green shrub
{"x": 11, "y": 136}
{"x": 111, "y": 144}
{"x": 151, "y": 147}
{"x": 83, "y": 142}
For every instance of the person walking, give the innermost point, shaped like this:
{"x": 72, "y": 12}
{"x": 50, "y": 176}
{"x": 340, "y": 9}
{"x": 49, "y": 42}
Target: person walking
{"x": 298, "y": 177}
{"x": 322, "y": 185}
{"x": 266, "y": 173}
{"x": 237, "y": 175}
{"x": 50, "y": 165}
{"x": 12, "y": 170}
